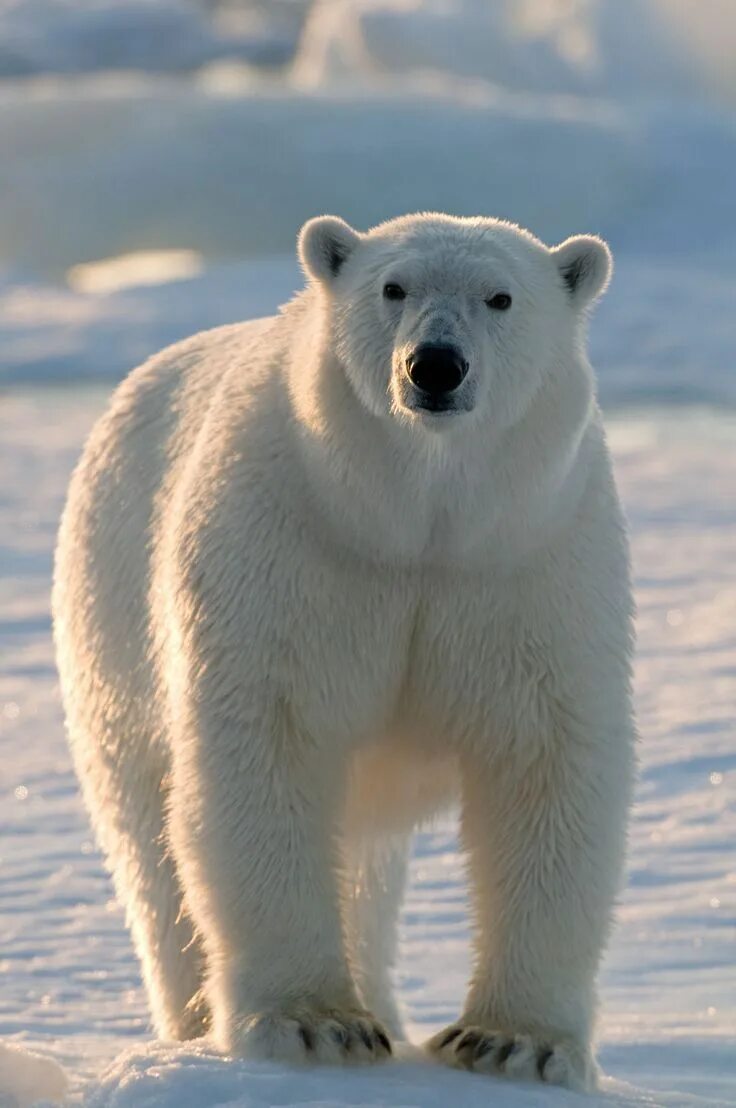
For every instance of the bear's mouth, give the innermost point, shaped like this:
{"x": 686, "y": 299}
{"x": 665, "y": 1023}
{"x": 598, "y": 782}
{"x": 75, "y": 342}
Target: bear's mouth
{"x": 437, "y": 406}
{"x": 425, "y": 402}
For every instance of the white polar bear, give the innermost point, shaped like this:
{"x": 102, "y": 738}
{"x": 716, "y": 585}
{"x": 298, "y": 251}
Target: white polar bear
{"x": 318, "y": 570}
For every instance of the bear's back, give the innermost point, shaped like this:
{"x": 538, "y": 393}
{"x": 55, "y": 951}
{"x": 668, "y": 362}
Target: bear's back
{"x": 116, "y": 508}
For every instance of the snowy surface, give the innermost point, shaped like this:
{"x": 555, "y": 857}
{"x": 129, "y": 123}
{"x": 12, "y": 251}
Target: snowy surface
{"x": 27, "y": 1077}
{"x": 70, "y": 984}
{"x": 158, "y": 157}
{"x": 187, "y": 1078}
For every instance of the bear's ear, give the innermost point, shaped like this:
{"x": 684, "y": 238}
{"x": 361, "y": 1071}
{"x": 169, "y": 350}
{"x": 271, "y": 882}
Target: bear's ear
{"x": 324, "y": 244}
{"x": 585, "y": 264}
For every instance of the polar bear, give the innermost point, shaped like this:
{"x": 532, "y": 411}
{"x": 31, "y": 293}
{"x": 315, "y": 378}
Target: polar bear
{"x": 318, "y": 575}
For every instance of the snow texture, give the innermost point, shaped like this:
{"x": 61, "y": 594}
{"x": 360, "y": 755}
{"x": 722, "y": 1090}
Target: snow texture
{"x": 604, "y": 136}
{"x": 161, "y": 1077}
{"x": 26, "y": 1078}
{"x": 66, "y": 36}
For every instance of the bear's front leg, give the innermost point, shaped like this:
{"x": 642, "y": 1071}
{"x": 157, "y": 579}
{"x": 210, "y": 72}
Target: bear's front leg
{"x": 545, "y": 839}
{"x": 253, "y": 823}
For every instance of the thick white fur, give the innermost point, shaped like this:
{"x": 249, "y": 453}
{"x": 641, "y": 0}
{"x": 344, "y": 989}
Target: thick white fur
{"x": 294, "y": 616}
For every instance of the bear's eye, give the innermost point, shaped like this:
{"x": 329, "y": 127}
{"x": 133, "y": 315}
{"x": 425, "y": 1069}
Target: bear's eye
{"x": 501, "y": 302}
{"x": 393, "y": 292}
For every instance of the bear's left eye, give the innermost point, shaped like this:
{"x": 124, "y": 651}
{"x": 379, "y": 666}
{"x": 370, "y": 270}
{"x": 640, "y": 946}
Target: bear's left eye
{"x": 392, "y": 291}
{"x": 501, "y": 302}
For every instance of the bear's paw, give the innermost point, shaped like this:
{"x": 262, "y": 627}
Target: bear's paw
{"x": 321, "y": 1037}
{"x": 519, "y": 1056}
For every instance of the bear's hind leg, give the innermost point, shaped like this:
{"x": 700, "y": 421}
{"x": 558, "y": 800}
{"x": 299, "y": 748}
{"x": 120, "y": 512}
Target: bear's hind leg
{"x": 169, "y": 950}
{"x": 394, "y": 787}
{"x": 126, "y": 798}
{"x": 376, "y": 879}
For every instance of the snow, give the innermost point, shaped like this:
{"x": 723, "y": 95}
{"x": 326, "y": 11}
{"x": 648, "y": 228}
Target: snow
{"x": 27, "y": 1078}
{"x": 156, "y": 167}
{"x": 545, "y": 47}
{"x": 161, "y": 1077}
{"x": 66, "y": 36}
{"x": 224, "y": 166}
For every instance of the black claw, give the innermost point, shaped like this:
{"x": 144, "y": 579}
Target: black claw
{"x": 470, "y": 1038}
{"x": 506, "y": 1050}
{"x": 484, "y": 1046}
{"x": 367, "y": 1041}
{"x": 448, "y": 1037}
{"x": 542, "y": 1059}
{"x": 465, "y": 1047}
{"x": 384, "y": 1041}
{"x": 342, "y": 1037}
{"x": 307, "y": 1037}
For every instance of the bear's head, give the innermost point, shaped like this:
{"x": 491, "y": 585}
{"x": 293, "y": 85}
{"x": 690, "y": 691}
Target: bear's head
{"x": 443, "y": 322}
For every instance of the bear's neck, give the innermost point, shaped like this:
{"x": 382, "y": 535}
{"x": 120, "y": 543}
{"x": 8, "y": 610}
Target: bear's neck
{"x": 405, "y": 495}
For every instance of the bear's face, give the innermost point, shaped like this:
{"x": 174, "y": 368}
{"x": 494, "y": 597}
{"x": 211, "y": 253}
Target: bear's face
{"x": 441, "y": 322}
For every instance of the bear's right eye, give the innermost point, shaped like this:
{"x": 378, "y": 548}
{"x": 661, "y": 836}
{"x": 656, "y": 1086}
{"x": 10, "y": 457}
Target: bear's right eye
{"x": 393, "y": 292}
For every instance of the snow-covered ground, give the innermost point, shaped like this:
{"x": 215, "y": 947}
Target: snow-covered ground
{"x": 70, "y": 984}
{"x": 158, "y": 157}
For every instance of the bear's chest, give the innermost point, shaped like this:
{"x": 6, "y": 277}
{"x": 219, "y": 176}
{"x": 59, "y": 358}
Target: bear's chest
{"x": 436, "y": 654}
{"x": 480, "y": 661}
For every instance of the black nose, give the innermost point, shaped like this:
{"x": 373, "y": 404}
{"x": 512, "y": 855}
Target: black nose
{"x": 436, "y": 369}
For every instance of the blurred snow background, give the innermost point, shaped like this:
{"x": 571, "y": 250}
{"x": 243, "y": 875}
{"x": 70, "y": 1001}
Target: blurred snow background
{"x": 156, "y": 160}
{"x": 152, "y": 135}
